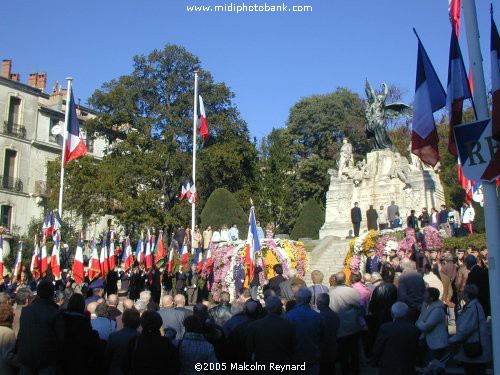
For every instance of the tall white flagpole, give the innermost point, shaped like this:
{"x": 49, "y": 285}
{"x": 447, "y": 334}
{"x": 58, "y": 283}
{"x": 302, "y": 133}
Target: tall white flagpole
{"x": 195, "y": 121}
{"x": 491, "y": 211}
{"x": 65, "y": 137}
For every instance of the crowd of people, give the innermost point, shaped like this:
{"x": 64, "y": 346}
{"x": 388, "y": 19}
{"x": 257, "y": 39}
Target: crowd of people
{"x": 392, "y": 316}
{"x": 449, "y": 220}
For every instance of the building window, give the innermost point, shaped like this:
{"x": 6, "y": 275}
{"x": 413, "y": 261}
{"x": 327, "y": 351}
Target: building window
{"x": 13, "y": 125}
{"x": 8, "y": 179}
{"x": 55, "y": 138}
{"x": 6, "y": 217}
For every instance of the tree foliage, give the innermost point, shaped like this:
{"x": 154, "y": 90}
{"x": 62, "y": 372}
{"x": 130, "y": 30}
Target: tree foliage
{"x": 309, "y": 222}
{"x": 222, "y": 208}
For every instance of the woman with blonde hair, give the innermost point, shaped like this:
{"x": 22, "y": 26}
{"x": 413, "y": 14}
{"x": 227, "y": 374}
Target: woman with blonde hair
{"x": 317, "y": 288}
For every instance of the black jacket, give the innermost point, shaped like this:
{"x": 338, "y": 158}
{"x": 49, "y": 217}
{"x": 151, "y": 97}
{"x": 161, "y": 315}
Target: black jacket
{"x": 331, "y": 321}
{"x": 479, "y": 277}
{"x": 112, "y": 282}
{"x": 221, "y": 313}
{"x": 274, "y": 284}
{"x": 356, "y": 216}
{"x": 379, "y": 308}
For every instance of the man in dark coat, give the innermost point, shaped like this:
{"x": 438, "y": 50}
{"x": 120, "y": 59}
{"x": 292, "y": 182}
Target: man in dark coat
{"x": 391, "y": 212}
{"x": 221, "y": 313}
{"x": 112, "y": 282}
{"x": 274, "y": 282}
{"x": 117, "y": 341}
{"x": 356, "y": 218}
{"x": 41, "y": 333}
{"x": 396, "y": 346}
{"x": 331, "y": 322}
{"x": 479, "y": 277}
{"x": 371, "y": 218}
{"x": 272, "y": 338}
{"x": 171, "y": 317}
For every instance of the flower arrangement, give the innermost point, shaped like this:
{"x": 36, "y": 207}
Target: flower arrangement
{"x": 228, "y": 257}
{"x": 431, "y": 239}
{"x": 386, "y": 244}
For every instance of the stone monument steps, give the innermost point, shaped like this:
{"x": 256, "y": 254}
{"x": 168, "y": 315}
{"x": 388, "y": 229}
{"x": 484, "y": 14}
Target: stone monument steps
{"x": 327, "y": 257}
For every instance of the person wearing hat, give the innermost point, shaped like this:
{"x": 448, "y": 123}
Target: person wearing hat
{"x": 97, "y": 288}
{"x": 373, "y": 263}
{"x": 143, "y": 352}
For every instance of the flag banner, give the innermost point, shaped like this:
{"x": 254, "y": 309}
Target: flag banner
{"x": 170, "y": 264}
{"x": 127, "y": 255}
{"x": 185, "y": 188}
{"x": 253, "y": 245}
{"x": 454, "y": 11}
{"x": 94, "y": 263}
{"x": 495, "y": 79}
{"x": 1, "y": 258}
{"x": 75, "y": 146}
{"x": 55, "y": 262}
{"x": 192, "y": 194}
{"x": 429, "y": 97}
{"x": 149, "y": 255}
{"x": 78, "y": 271}
{"x": 111, "y": 253}
{"x": 139, "y": 250}
{"x": 458, "y": 89}
{"x": 160, "y": 250}
{"x": 103, "y": 260}
{"x": 202, "y": 119}
{"x": 35, "y": 260}
{"x": 44, "y": 262}
{"x": 18, "y": 265}
{"x": 479, "y": 152}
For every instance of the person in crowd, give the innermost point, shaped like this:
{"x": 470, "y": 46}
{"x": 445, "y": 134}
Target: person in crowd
{"x": 112, "y": 281}
{"x": 363, "y": 291}
{"x": 146, "y": 298}
{"x": 9, "y": 365}
{"x": 127, "y": 304}
{"x": 97, "y": 288}
{"x": 41, "y": 333}
{"x": 171, "y": 317}
{"x": 411, "y": 288}
{"x": 454, "y": 220}
{"x": 260, "y": 231}
{"x": 187, "y": 240}
{"x": 212, "y": 332}
{"x": 167, "y": 282}
{"x": 255, "y": 282}
{"x": 137, "y": 283}
{"x": 143, "y": 352}
{"x": 397, "y": 222}
{"x": 432, "y": 323}
{"x": 371, "y": 218}
{"x": 472, "y": 337}
{"x": 215, "y": 236}
{"x": 396, "y": 345}
{"x": 356, "y": 219}
{"x": 23, "y": 298}
{"x": 180, "y": 237}
{"x": 367, "y": 280}
{"x": 207, "y": 237}
{"x": 238, "y": 317}
{"x": 154, "y": 285}
{"x": 79, "y": 337}
{"x": 192, "y": 285}
{"x": 117, "y": 342}
{"x": 382, "y": 298}
{"x": 234, "y": 234}
{"x": 309, "y": 328}
{"x": 224, "y": 234}
{"x": 434, "y": 218}
{"x": 468, "y": 216}
{"x": 194, "y": 348}
{"x": 412, "y": 221}
{"x": 180, "y": 280}
{"x": 112, "y": 301}
{"x": 221, "y": 313}
{"x": 274, "y": 282}
{"x": 237, "y": 337}
{"x": 431, "y": 279}
{"x": 270, "y": 230}
{"x": 317, "y": 288}
{"x": 443, "y": 220}
{"x": 382, "y": 218}
{"x": 331, "y": 322}
{"x": 391, "y": 212}
{"x": 197, "y": 240}
{"x": 180, "y": 305}
{"x": 286, "y": 286}
{"x": 345, "y": 301}
{"x": 103, "y": 323}
{"x": 373, "y": 263}
{"x": 424, "y": 218}
{"x": 479, "y": 277}
{"x": 272, "y": 338}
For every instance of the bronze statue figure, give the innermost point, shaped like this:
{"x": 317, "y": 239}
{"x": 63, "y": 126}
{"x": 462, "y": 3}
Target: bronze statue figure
{"x": 376, "y": 114}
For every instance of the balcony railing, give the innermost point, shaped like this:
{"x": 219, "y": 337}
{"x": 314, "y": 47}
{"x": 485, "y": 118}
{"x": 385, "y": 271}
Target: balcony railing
{"x": 16, "y": 130}
{"x": 11, "y": 183}
{"x": 41, "y": 189}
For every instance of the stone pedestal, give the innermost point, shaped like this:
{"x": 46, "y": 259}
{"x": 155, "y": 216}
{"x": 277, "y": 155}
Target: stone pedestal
{"x": 384, "y": 176}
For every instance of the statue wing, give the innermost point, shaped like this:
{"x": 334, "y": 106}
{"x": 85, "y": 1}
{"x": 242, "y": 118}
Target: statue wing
{"x": 370, "y": 93}
{"x": 395, "y": 110}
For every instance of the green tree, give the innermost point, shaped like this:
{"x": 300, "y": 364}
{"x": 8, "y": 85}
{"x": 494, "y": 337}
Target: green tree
{"x": 309, "y": 222}
{"x": 222, "y": 208}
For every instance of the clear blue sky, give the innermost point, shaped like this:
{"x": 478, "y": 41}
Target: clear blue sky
{"x": 270, "y": 60}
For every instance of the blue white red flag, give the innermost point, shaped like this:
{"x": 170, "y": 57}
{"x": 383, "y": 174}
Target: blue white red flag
{"x": 75, "y": 146}
{"x": 429, "y": 97}
{"x": 253, "y": 244}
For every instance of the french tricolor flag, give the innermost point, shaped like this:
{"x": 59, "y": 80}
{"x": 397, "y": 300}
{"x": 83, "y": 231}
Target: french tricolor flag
{"x": 75, "y": 146}
{"x": 149, "y": 254}
{"x": 55, "y": 263}
{"x": 103, "y": 260}
{"x": 18, "y": 265}
{"x": 111, "y": 256}
{"x": 43, "y": 257}
{"x": 458, "y": 89}
{"x": 253, "y": 244}
{"x": 139, "y": 250}
{"x": 495, "y": 79}
{"x": 94, "y": 264}
{"x": 78, "y": 272}
{"x": 35, "y": 260}
{"x": 429, "y": 97}
{"x": 202, "y": 120}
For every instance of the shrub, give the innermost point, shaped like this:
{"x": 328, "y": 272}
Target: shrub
{"x": 222, "y": 208}
{"x": 478, "y": 240}
{"x": 309, "y": 222}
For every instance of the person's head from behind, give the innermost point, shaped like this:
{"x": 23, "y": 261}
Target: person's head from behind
{"x": 131, "y": 318}
{"x": 278, "y": 269}
{"x": 431, "y": 295}
{"x": 193, "y": 324}
{"x": 470, "y": 261}
{"x": 268, "y": 293}
{"x": 399, "y": 310}
{"x": 76, "y": 304}
{"x": 145, "y": 296}
{"x": 224, "y": 297}
{"x": 387, "y": 272}
{"x": 6, "y": 315}
{"x": 296, "y": 284}
{"x": 237, "y": 307}
{"x": 355, "y": 277}
{"x": 113, "y": 300}
{"x": 317, "y": 277}
{"x": 303, "y": 296}
{"x": 244, "y": 294}
{"x": 127, "y": 304}
{"x": 102, "y": 310}
{"x": 167, "y": 301}
{"x": 150, "y": 322}
{"x": 367, "y": 278}
{"x": 180, "y": 300}
{"x": 251, "y": 309}
{"x": 200, "y": 310}
{"x": 339, "y": 278}
{"x": 91, "y": 307}
{"x": 45, "y": 290}
{"x": 408, "y": 265}
{"x": 470, "y": 292}
{"x": 274, "y": 305}
{"x": 427, "y": 268}
{"x": 292, "y": 272}
{"x": 323, "y": 301}
{"x": 23, "y": 296}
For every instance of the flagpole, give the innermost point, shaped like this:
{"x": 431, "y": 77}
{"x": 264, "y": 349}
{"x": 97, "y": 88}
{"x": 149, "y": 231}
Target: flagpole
{"x": 195, "y": 120}
{"x": 491, "y": 211}
{"x": 65, "y": 137}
